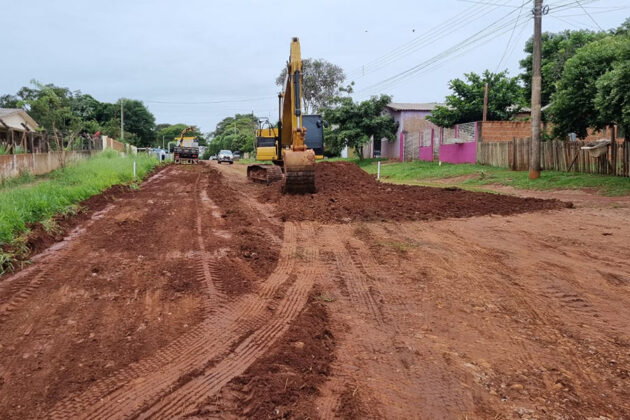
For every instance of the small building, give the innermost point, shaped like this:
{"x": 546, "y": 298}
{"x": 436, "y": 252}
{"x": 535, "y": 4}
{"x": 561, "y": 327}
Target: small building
{"x": 411, "y": 118}
{"x": 15, "y": 123}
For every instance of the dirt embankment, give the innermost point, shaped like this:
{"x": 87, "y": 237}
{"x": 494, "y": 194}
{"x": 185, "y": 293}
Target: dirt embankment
{"x": 346, "y": 193}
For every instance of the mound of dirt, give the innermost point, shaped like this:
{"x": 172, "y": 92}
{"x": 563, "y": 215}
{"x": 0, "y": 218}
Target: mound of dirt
{"x": 346, "y": 193}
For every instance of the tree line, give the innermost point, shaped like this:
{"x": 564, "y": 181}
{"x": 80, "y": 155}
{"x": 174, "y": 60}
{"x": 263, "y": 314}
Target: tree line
{"x": 69, "y": 115}
{"x": 585, "y": 84}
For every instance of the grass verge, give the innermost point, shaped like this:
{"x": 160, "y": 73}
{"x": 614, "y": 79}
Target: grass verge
{"x": 469, "y": 175}
{"x": 23, "y": 203}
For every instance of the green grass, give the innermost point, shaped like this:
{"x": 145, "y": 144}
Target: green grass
{"x": 23, "y": 202}
{"x": 426, "y": 173}
{"x": 250, "y": 161}
{"x": 24, "y": 178}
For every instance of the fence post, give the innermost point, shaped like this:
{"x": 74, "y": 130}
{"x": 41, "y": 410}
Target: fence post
{"x": 514, "y": 164}
{"x": 378, "y": 170}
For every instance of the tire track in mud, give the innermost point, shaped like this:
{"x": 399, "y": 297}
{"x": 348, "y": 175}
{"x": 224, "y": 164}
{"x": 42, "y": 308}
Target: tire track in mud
{"x": 188, "y": 397}
{"x": 140, "y": 385}
{"x": 17, "y": 288}
{"x": 207, "y": 260}
{"x": 356, "y": 284}
{"x": 356, "y": 267}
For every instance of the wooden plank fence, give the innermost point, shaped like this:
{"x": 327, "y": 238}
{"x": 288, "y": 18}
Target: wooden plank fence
{"x": 554, "y": 155}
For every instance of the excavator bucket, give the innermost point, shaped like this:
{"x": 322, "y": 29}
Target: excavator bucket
{"x": 299, "y": 172}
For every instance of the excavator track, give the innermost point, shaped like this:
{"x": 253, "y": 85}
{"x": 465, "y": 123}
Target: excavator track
{"x": 299, "y": 172}
{"x": 265, "y": 174}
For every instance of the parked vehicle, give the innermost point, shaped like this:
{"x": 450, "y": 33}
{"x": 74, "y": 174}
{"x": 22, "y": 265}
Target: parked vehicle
{"x": 225, "y": 156}
{"x": 236, "y": 155}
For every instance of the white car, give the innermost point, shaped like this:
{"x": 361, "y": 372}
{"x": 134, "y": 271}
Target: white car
{"x": 225, "y": 156}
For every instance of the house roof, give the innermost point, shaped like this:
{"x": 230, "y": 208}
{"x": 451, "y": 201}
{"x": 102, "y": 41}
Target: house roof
{"x": 401, "y": 106}
{"x": 5, "y": 113}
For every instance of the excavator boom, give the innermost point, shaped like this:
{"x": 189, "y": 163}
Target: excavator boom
{"x": 299, "y": 161}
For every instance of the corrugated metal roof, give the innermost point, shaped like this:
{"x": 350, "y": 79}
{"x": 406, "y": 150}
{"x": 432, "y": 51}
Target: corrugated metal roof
{"x": 30, "y": 122}
{"x": 400, "y": 106}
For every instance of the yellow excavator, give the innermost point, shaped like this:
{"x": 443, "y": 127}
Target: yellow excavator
{"x": 187, "y": 148}
{"x": 296, "y": 142}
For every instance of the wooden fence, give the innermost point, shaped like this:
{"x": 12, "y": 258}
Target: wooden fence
{"x": 17, "y": 142}
{"x": 554, "y": 155}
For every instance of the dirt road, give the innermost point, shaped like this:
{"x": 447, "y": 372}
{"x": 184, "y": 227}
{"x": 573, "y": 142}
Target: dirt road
{"x": 198, "y": 296}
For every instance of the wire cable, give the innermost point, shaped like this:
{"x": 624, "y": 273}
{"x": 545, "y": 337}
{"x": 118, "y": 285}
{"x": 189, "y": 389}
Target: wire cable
{"x": 460, "y": 20}
{"x": 589, "y": 15}
{"x": 511, "y": 35}
{"x": 485, "y": 33}
{"x": 259, "y": 98}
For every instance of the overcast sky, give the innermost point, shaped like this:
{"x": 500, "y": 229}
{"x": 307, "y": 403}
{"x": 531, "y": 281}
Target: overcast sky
{"x": 196, "y": 62}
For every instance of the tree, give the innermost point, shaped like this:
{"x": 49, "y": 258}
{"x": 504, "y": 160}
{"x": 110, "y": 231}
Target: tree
{"x": 573, "y": 106}
{"x": 354, "y": 124}
{"x": 170, "y": 132}
{"x": 557, "y": 48}
{"x": 322, "y": 82}
{"x": 66, "y": 114}
{"x": 234, "y": 133}
{"x": 139, "y": 121}
{"x": 612, "y": 100}
{"x": 9, "y": 101}
{"x": 466, "y": 102}
{"x": 49, "y": 105}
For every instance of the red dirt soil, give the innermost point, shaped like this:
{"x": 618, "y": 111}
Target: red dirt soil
{"x": 284, "y": 383}
{"x": 38, "y": 239}
{"x": 188, "y": 299}
{"x": 347, "y": 193}
{"x": 125, "y": 283}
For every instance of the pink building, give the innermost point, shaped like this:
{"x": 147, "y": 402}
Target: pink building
{"x": 411, "y": 118}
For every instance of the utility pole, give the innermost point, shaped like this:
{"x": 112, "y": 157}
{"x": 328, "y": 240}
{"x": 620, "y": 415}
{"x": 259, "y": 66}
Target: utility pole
{"x": 122, "y": 121}
{"x": 536, "y": 119}
{"x": 485, "y": 103}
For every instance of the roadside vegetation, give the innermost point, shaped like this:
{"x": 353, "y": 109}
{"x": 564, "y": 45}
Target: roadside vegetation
{"x": 469, "y": 175}
{"x": 26, "y": 200}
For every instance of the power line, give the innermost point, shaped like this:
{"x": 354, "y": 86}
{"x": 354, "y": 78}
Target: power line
{"x": 461, "y": 19}
{"x": 600, "y": 12}
{"x": 573, "y": 24}
{"x": 223, "y": 101}
{"x": 589, "y": 15}
{"x": 489, "y": 4}
{"x": 487, "y": 32}
{"x": 507, "y": 46}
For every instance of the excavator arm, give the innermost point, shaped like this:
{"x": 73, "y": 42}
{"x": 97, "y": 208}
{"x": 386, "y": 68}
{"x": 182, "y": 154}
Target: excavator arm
{"x": 298, "y": 160}
{"x": 184, "y": 132}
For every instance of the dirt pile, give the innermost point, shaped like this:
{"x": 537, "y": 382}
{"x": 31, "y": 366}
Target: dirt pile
{"x": 346, "y": 193}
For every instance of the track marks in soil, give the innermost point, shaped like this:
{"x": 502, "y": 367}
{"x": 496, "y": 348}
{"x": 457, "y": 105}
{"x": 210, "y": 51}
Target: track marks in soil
{"x": 233, "y": 336}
